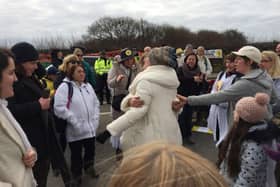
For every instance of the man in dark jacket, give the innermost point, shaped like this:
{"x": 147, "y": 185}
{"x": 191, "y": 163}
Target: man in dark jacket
{"x": 56, "y": 57}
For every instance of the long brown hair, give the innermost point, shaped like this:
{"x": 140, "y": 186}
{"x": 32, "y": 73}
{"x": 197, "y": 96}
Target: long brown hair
{"x": 231, "y": 146}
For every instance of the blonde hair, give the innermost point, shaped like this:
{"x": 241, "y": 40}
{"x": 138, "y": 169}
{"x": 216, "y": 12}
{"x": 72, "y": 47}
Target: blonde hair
{"x": 165, "y": 165}
{"x": 274, "y": 71}
{"x": 66, "y": 60}
{"x": 77, "y": 51}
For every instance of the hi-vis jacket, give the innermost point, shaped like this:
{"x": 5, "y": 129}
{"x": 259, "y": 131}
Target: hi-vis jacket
{"x": 102, "y": 66}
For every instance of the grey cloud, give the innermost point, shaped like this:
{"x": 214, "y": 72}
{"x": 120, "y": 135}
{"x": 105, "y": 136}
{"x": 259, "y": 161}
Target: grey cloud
{"x": 35, "y": 18}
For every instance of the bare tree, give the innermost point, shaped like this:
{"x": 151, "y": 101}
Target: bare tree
{"x": 115, "y": 33}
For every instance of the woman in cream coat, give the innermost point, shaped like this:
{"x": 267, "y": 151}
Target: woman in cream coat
{"x": 155, "y": 120}
{"x": 17, "y": 156}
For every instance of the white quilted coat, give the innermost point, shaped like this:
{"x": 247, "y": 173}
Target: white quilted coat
{"x": 157, "y": 87}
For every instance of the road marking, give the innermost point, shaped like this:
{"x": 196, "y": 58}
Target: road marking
{"x": 201, "y": 129}
{"x": 105, "y": 113}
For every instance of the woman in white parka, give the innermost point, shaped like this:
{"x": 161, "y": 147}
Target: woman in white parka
{"x": 155, "y": 120}
{"x": 82, "y": 115}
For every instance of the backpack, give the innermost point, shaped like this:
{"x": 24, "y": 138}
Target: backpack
{"x": 61, "y": 123}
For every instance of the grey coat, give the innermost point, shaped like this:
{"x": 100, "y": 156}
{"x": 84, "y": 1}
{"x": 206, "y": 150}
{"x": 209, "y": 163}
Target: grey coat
{"x": 118, "y": 88}
{"x": 253, "y": 82}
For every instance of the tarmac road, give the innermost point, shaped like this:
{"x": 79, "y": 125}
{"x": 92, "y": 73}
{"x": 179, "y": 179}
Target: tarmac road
{"x": 105, "y": 161}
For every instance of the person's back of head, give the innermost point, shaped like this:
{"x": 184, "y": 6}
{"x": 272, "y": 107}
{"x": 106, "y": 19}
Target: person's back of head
{"x": 188, "y": 49}
{"x": 147, "y": 49}
{"x": 163, "y": 56}
{"x": 165, "y": 165}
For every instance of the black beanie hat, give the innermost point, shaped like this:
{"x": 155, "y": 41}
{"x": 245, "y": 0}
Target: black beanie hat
{"x": 24, "y": 52}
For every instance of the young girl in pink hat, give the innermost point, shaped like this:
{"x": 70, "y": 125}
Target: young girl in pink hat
{"x": 242, "y": 159}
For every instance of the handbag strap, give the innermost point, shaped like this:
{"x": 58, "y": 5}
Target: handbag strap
{"x": 128, "y": 80}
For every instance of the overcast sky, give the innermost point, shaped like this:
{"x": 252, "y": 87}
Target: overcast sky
{"x": 29, "y": 19}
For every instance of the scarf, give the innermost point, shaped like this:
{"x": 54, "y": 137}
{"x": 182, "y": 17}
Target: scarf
{"x": 189, "y": 73}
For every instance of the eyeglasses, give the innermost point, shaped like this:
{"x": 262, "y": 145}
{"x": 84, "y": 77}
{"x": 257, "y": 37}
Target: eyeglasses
{"x": 79, "y": 55}
{"x": 74, "y": 62}
{"x": 265, "y": 61}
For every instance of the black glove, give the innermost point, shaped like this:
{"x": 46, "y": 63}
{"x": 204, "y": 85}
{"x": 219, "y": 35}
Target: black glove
{"x": 102, "y": 137}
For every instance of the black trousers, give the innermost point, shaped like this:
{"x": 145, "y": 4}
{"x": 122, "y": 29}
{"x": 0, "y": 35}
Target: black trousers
{"x": 185, "y": 121}
{"x": 101, "y": 84}
{"x": 41, "y": 170}
{"x": 79, "y": 161}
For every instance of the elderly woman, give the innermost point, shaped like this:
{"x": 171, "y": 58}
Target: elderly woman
{"x": 17, "y": 156}
{"x": 253, "y": 80}
{"x": 155, "y": 120}
{"x": 122, "y": 73}
{"x": 82, "y": 115}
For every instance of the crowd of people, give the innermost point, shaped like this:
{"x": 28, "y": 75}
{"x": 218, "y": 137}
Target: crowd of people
{"x": 153, "y": 99}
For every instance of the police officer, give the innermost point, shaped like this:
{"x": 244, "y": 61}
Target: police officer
{"x": 102, "y": 66}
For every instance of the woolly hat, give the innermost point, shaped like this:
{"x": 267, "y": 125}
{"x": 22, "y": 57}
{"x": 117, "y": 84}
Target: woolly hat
{"x": 51, "y": 70}
{"x": 252, "y": 109}
{"x": 250, "y": 52}
{"x": 24, "y": 52}
{"x": 163, "y": 56}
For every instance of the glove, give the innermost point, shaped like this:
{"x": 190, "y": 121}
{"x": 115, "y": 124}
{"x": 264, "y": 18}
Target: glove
{"x": 102, "y": 137}
{"x": 275, "y": 155}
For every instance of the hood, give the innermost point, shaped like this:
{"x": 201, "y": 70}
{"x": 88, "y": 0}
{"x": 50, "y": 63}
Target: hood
{"x": 260, "y": 77}
{"x": 158, "y": 74}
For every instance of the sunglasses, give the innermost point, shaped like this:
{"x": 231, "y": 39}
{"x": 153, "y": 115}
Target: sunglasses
{"x": 79, "y": 55}
{"x": 74, "y": 62}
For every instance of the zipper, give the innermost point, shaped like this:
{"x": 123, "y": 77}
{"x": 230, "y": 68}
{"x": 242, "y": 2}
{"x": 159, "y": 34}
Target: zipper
{"x": 87, "y": 111}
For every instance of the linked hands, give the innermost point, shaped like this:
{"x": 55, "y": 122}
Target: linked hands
{"x": 135, "y": 102}
{"x": 179, "y": 102}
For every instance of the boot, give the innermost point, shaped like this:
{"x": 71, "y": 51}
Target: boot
{"x": 119, "y": 154}
{"x": 91, "y": 172}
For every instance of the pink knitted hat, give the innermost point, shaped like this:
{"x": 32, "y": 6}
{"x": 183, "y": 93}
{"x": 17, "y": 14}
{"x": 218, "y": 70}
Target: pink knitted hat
{"x": 252, "y": 109}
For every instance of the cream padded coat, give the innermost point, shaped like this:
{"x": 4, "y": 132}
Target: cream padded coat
{"x": 155, "y": 120}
